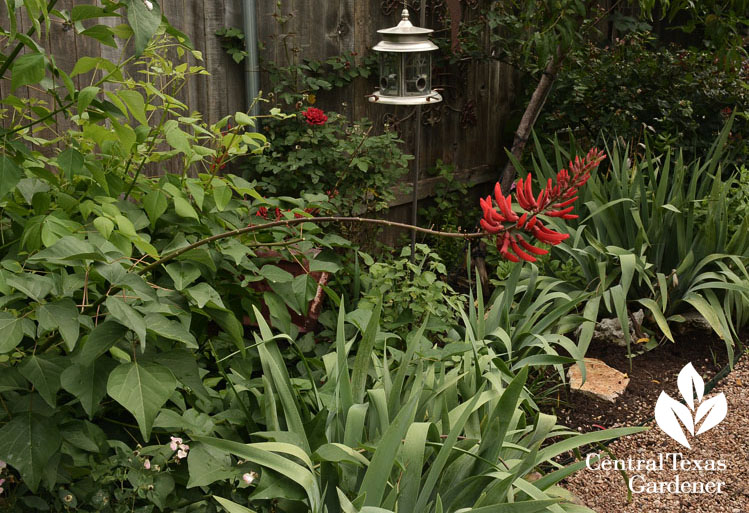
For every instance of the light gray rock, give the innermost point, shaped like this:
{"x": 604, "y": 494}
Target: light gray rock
{"x": 609, "y": 330}
{"x": 601, "y": 381}
{"x": 693, "y": 322}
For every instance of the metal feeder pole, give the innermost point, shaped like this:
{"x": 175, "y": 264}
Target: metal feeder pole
{"x": 417, "y": 157}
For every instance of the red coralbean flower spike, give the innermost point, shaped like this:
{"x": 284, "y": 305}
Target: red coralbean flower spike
{"x": 315, "y": 116}
{"x": 553, "y": 201}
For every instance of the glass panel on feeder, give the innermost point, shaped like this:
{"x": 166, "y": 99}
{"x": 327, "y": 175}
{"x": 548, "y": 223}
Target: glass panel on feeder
{"x": 389, "y": 69}
{"x": 417, "y": 69}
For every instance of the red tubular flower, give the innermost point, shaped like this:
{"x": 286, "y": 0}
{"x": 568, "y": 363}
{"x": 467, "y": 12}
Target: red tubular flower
{"x": 553, "y": 201}
{"x": 315, "y": 116}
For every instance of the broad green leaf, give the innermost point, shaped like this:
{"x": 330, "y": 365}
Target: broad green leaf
{"x": 275, "y": 274}
{"x": 292, "y": 471}
{"x": 135, "y": 104}
{"x": 176, "y": 138}
{"x": 184, "y": 209}
{"x": 65, "y": 250}
{"x": 144, "y": 18}
{"x": 339, "y": 452}
{"x": 243, "y": 119}
{"x": 27, "y": 69}
{"x": 35, "y": 286}
{"x": 85, "y": 12}
{"x": 27, "y": 443}
{"x": 203, "y": 294}
{"x": 10, "y": 175}
{"x": 63, "y": 316}
{"x": 222, "y": 195}
{"x": 182, "y": 274}
{"x": 44, "y": 373}
{"x": 142, "y": 389}
{"x": 11, "y": 332}
{"x": 86, "y": 96}
{"x": 232, "y": 507}
{"x": 155, "y": 204}
{"x": 101, "y": 33}
{"x": 230, "y": 324}
{"x": 88, "y": 384}
{"x": 206, "y": 465}
{"x": 173, "y": 330}
{"x": 101, "y": 338}
{"x": 104, "y": 225}
{"x": 127, "y": 316}
{"x": 70, "y": 162}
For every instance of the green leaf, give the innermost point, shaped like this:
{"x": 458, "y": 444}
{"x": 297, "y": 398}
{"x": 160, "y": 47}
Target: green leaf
{"x": 63, "y": 316}
{"x": 65, "y": 250}
{"x": 70, "y": 162}
{"x": 144, "y": 21}
{"x": 88, "y": 383}
{"x": 155, "y": 204}
{"x": 222, "y": 195}
{"x": 176, "y": 138}
{"x": 172, "y": 330}
{"x": 86, "y": 96}
{"x": 11, "y": 332}
{"x": 207, "y": 465}
{"x": 203, "y": 294}
{"x": 142, "y": 389}
{"x": 101, "y": 33}
{"x": 104, "y": 225}
{"x": 364, "y": 354}
{"x": 658, "y": 315}
{"x": 229, "y": 323}
{"x": 184, "y": 209}
{"x": 10, "y": 175}
{"x": 230, "y": 506}
{"x": 85, "y": 12}
{"x": 135, "y": 103}
{"x": 127, "y": 316}
{"x": 101, "y": 338}
{"x": 44, "y": 373}
{"x": 27, "y": 69}
{"x": 27, "y": 443}
{"x": 377, "y": 475}
{"x": 275, "y": 274}
{"x": 182, "y": 274}
{"x": 265, "y": 458}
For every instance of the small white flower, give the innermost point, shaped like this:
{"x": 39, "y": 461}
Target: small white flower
{"x": 249, "y": 477}
{"x": 181, "y": 454}
{"x": 3, "y": 465}
{"x": 147, "y": 464}
{"x": 175, "y": 443}
{"x": 149, "y": 5}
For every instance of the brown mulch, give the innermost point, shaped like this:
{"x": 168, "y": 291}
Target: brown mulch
{"x": 650, "y": 373}
{"x": 605, "y": 491}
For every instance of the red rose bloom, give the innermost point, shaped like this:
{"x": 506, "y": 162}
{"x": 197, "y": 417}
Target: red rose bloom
{"x": 315, "y": 116}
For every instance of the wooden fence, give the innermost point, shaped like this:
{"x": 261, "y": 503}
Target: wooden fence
{"x": 464, "y": 130}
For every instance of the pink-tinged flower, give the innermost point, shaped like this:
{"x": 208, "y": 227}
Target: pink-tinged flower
{"x": 174, "y": 444}
{"x": 553, "y": 201}
{"x": 249, "y": 477}
{"x": 182, "y": 453}
{"x": 315, "y": 116}
{"x": 147, "y": 464}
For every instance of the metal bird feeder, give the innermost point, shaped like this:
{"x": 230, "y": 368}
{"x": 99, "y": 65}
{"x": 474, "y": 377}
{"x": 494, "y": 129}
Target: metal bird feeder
{"x": 405, "y": 65}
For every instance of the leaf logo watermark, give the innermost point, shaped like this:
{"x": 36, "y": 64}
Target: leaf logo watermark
{"x": 671, "y": 415}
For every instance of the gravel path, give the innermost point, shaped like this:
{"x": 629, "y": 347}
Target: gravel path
{"x": 605, "y": 491}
